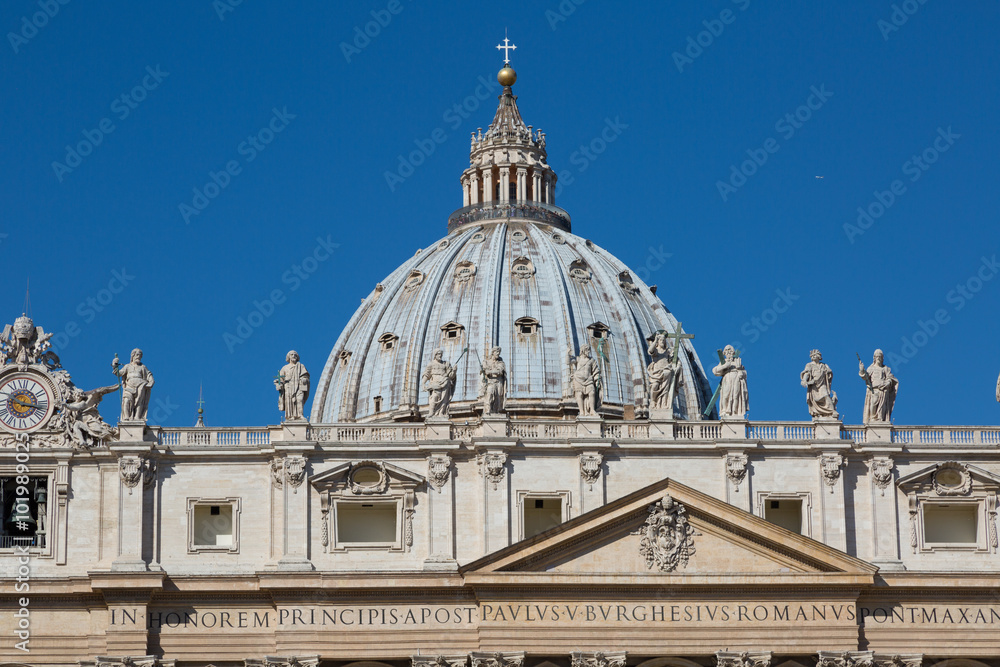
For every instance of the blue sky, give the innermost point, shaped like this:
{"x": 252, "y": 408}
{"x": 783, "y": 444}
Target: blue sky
{"x": 890, "y": 107}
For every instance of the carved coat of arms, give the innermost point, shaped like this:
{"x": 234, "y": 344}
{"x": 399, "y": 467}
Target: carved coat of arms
{"x": 667, "y": 537}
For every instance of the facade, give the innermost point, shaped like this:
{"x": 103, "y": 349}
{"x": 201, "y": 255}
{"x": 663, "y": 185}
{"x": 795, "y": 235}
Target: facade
{"x": 514, "y": 458}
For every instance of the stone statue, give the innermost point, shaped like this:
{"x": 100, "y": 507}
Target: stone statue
{"x": 439, "y": 381}
{"x": 137, "y": 381}
{"x": 586, "y": 374}
{"x": 734, "y": 399}
{"x": 816, "y": 378}
{"x": 81, "y": 421}
{"x": 661, "y": 371}
{"x": 881, "y": 384}
{"x": 292, "y": 384}
{"x": 493, "y": 382}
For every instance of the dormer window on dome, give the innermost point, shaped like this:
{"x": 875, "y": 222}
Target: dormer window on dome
{"x": 452, "y": 331}
{"x": 580, "y": 272}
{"x": 413, "y": 281}
{"x": 465, "y": 271}
{"x": 345, "y": 357}
{"x": 522, "y": 268}
{"x": 526, "y": 326}
{"x": 387, "y": 341}
{"x": 599, "y": 330}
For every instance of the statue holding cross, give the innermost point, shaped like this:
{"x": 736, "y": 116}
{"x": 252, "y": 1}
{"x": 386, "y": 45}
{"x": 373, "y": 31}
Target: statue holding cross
{"x": 663, "y": 372}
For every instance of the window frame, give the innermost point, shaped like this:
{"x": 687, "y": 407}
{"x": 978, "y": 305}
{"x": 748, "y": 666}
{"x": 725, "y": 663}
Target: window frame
{"x": 236, "y": 503}
{"x": 48, "y": 473}
{"x": 523, "y": 497}
{"x": 805, "y": 497}
{"x": 981, "y": 545}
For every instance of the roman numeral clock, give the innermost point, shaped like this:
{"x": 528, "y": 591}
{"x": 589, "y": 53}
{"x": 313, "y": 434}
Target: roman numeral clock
{"x": 27, "y": 401}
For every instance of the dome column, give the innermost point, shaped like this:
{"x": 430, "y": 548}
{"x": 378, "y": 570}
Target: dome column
{"x": 504, "y": 183}
{"x": 465, "y": 192}
{"x": 488, "y": 185}
{"x": 536, "y": 186}
{"x": 521, "y": 174}
{"x": 473, "y": 189}
{"x": 549, "y": 196}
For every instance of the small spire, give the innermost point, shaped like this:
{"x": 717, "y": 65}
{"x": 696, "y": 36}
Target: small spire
{"x": 201, "y": 411}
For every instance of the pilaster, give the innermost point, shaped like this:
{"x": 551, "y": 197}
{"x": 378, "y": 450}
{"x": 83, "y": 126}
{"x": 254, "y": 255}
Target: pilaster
{"x": 593, "y": 490}
{"x": 496, "y": 498}
{"x": 291, "y": 473}
{"x": 831, "y": 500}
{"x": 135, "y": 472}
{"x": 441, "y": 508}
{"x": 885, "y": 513}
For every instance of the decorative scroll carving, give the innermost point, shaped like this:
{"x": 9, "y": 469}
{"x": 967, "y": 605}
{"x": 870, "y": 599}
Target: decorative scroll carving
{"x": 845, "y": 659}
{"x": 363, "y": 487}
{"x": 295, "y": 471}
{"x": 667, "y": 537}
{"x": 899, "y": 659}
{"x": 277, "y": 472}
{"x": 408, "y": 527}
{"x": 991, "y": 520}
{"x": 913, "y": 523}
{"x": 128, "y": 661}
{"x": 438, "y": 470}
{"x": 881, "y": 470}
{"x": 598, "y": 659}
{"x": 830, "y": 465}
{"x": 736, "y": 468}
{"x": 439, "y": 660}
{"x": 952, "y": 479}
{"x": 498, "y": 659}
{"x": 492, "y": 465}
{"x": 324, "y": 519}
{"x": 744, "y": 659}
{"x": 590, "y": 467}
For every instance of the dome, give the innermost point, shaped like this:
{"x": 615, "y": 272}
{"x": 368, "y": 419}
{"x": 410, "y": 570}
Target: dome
{"x": 510, "y": 273}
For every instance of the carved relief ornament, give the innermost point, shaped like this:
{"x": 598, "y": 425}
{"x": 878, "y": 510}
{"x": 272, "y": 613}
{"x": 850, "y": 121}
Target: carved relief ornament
{"x": 845, "y": 659}
{"x": 830, "y": 465}
{"x": 952, "y": 479}
{"x": 498, "y": 659}
{"x": 132, "y": 469}
{"x": 743, "y": 659}
{"x": 492, "y": 465}
{"x": 590, "y": 467}
{"x": 881, "y": 470}
{"x": 438, "y": 470}
{"x": 598, "y": 659}
{"x": 439, "y": 660}
{"x": 667, "y": 539}
{"x": 736, "y": 469}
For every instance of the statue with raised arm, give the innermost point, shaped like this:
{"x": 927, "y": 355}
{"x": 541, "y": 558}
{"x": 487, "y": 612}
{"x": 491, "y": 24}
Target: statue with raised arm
{"x": 439, "y": 380}
{"x": 493, "y": 382}
{"x": 137, "y": 381}
{"x": 661, "y": 371}
{"x": 880, "y": 393}
{"x": 817, "y": 379}
{"x": 586, "y": 378}
{"x": 82, "y": 422}
{"x": 292, "y": 384}
{"x": 734, "y": 398}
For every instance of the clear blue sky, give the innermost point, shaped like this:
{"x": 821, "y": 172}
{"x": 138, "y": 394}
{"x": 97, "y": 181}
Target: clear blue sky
{"x": 345, "y": 116}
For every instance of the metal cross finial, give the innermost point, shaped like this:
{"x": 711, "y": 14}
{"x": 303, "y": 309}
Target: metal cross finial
{"x": 506, "y": 47}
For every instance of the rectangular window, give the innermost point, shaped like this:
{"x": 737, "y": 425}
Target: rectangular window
{"x": 213, "y": 524}
{"x": 784, "y": 512}
{"x": 540, "y": 514}
{"x": 951, "y": 523}
{"x": 25, "y": 518}
{"x": 367, "y": 523}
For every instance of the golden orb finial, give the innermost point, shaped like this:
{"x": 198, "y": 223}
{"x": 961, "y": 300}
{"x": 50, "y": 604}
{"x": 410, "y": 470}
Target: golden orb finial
{"x": 507, "y": 76}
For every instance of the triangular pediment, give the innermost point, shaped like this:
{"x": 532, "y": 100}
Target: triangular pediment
{"x": 950, "y": 478}
{"x": 690, "y": 537}
{"x": 374, "y": 476}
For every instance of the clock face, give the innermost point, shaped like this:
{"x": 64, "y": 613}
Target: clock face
{"x": 26, "y": 402}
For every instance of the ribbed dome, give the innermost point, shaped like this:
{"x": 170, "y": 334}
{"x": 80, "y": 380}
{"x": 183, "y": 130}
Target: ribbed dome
{"x": 480, "y": 284}
{"x": 508, "y": 274}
